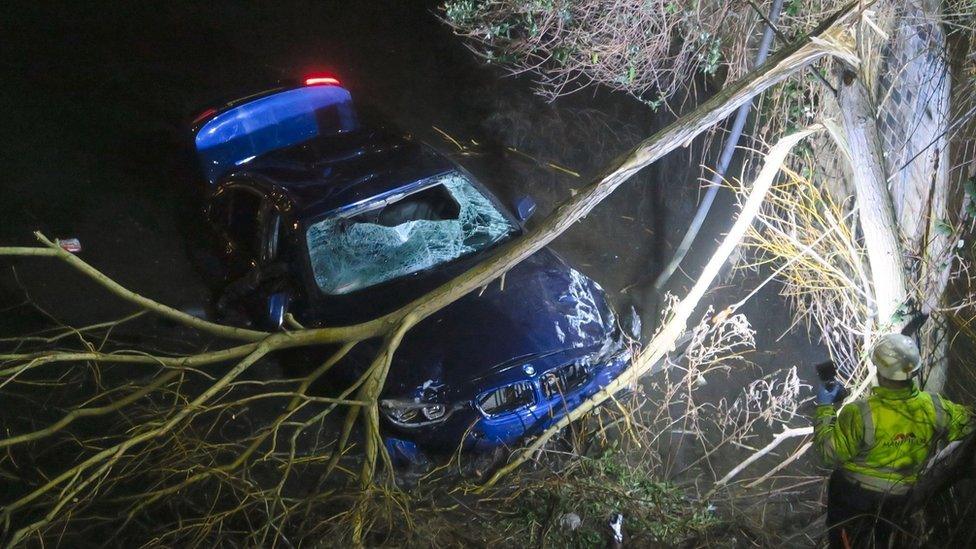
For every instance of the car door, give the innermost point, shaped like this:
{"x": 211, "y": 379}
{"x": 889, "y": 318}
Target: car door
{"x": 233, "y": 216}
{"x": 276, "y": 289}
{"x": 249, "y": 231}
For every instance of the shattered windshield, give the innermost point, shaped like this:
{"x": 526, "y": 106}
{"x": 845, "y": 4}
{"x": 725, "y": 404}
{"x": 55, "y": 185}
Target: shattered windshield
{"x": 446, "y": 220}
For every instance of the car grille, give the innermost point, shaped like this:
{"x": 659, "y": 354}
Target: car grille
{"x": 564, "y": 379}
{"x": 507, "y": 399}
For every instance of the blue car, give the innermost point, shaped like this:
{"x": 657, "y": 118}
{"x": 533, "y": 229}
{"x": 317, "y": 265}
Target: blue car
{"x": 334, "y": 220}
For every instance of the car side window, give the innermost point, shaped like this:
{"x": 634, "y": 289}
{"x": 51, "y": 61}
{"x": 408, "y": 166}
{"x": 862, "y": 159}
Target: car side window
{"x": 234, "y": 212}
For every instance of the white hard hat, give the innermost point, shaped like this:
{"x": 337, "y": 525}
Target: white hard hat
{"x": 896, "y": 357}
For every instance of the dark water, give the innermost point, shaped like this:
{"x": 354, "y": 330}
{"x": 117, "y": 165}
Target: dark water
{"x": 95, "y": 99}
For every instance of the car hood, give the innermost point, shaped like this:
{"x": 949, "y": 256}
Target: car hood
{"x": 540, "y": 308}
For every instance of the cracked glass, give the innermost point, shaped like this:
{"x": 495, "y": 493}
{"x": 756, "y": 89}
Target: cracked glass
{"x": 446, "y": 220}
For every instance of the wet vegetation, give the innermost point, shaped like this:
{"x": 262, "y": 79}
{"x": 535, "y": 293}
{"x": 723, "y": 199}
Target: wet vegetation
{"x": 595, "y": 489}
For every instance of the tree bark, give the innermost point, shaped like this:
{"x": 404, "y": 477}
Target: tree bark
{"x": 877, "y": 213}
{"x": 913, "y": 116}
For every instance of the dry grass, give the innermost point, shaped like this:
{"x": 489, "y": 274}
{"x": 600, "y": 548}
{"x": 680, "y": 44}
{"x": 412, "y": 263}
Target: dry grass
{"x": 651, "y": 50}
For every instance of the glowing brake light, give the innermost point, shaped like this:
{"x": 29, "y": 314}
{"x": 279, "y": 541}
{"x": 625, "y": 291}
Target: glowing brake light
{"x": 204, "y": 115}
{"x": 321, "y": 81}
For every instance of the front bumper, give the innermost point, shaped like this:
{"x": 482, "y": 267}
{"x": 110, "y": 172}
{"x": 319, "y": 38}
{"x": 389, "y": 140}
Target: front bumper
{"x": 473, "y": 430}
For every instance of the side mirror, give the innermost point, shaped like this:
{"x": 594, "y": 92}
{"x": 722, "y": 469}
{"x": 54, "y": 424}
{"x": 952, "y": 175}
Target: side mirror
{"x": 524, "y": 208}
{"x": 277, "y": 307}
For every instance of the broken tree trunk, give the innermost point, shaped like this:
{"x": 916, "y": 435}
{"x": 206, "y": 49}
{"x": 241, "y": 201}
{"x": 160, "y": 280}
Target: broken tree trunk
{"x": 895, "y": 113}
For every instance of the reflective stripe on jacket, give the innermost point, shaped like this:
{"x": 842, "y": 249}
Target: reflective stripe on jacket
{"x": 883, "y": 442}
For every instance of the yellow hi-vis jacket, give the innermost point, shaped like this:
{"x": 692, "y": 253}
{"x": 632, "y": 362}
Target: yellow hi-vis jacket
{"x": 884, "y": 441}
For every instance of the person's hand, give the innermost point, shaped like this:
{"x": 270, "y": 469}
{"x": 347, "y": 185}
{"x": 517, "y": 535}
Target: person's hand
{"x": 829, "y": 393}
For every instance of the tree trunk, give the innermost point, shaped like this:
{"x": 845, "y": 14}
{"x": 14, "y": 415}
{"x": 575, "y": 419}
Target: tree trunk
{"x": 913, "y": 116}
{"x": 877, "y": 213}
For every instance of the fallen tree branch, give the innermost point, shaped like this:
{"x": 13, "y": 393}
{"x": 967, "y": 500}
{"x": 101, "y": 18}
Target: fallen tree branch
{"x": 52, "y": 249}
{"x": 33, "y": 360}
{"x": 781, "y": 465}
{"x": 779, "y": 438}
{"x": 80, "y": 478}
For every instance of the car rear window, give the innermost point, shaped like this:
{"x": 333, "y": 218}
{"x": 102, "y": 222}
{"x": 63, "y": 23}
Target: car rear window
{"x": 447, "y": 219}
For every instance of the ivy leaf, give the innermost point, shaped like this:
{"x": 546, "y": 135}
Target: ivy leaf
{"x": 943, "y": 228}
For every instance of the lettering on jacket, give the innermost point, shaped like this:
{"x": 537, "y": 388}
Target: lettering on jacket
{"x": 902, "y": 438}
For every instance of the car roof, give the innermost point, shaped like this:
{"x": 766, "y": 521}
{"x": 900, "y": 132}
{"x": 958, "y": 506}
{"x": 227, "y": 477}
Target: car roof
{"x": 331, "y": 172}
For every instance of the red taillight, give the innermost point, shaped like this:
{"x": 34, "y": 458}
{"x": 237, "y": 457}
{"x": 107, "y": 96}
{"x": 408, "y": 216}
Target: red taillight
{"x": 321, "y": 81}
{"x": 204, "y": 115}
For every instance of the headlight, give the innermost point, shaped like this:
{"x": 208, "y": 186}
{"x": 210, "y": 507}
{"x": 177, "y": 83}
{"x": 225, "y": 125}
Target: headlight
{"x": 433, "y": 412}
{"x": 407, "y": 413}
